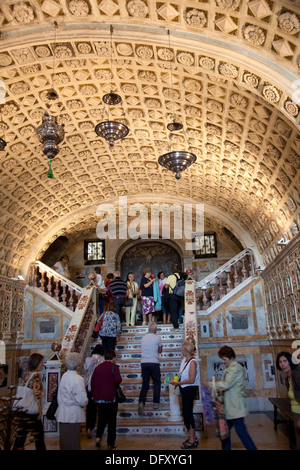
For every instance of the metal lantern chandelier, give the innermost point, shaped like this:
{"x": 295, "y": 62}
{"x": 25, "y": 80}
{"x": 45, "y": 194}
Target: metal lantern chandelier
{"x": 179, "y": 160}
{"x": 111, "y": 130}
{"x": 50, "y": 133}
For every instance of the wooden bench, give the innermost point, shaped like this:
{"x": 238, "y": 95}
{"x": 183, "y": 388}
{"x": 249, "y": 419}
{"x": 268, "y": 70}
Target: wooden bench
{"x": 284, "y": 407}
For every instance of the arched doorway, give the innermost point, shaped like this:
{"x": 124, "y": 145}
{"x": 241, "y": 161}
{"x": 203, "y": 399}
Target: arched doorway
{"x": 158, "y": 255}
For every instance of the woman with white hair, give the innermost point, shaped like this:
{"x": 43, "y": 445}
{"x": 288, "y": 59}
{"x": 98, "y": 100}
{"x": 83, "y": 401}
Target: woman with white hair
{"x": 71, "y": 399}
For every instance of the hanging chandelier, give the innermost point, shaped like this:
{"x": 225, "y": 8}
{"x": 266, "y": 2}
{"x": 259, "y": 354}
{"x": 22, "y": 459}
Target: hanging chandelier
{"x": 50, "y": 133}
{"x": 111, "y": 130}
{"x": 179, "y": 160}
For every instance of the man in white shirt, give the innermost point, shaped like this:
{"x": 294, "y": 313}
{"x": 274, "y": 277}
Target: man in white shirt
{"x": 151, "y": 348}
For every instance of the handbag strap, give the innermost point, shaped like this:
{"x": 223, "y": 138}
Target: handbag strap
{"x": 29, "y": 378}
{"x": 186, "y": 365}
{"x": 101, "y": 320}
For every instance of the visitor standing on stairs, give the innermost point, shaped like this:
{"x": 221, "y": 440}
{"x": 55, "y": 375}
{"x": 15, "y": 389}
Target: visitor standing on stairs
{"x": 174, "y": 300}
{"x": 148, "y": 304}
{"x": 110, "y": 328}
{"x": 151, "y": 347}
{"x": 62, "y": 266}
{"x": 105, "y": 380}
{"x": 133, "y": 291}
{"x": 118, "y": 288}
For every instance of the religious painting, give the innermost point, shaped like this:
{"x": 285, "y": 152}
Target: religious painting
{"x": 158, "y": 256}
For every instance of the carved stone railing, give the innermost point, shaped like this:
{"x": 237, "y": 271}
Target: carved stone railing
{"x": 81, "y": 326}
{"x": 54, "y": 284}
{"x": 282, "y": 290}
{"x": 222, "y": 281}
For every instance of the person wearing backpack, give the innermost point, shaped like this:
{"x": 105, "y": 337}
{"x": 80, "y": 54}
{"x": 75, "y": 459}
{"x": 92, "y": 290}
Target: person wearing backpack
{"x": 174, "y": 300}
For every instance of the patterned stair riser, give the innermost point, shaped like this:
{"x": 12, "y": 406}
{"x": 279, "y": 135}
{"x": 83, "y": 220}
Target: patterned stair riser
{"x": 137, "y": 356}
{"x": 149, "y": 414}
{"x": 128, "y": 356}
{"x": 133, "y": 346}
{"x": 145, "y": 429}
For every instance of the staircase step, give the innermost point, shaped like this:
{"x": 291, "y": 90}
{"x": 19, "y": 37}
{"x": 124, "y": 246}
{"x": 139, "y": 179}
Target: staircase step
{"x": 144, "y": 426}
{"x": 128, "y": 358}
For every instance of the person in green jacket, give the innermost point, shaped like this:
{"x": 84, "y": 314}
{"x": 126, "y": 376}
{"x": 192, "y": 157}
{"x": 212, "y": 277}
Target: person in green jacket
{"x": 235, "y": 406}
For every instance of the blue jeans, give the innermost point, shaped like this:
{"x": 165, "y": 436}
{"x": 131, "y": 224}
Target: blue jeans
{"x": 241, "y": 431}
{"x": 150, "y": 369}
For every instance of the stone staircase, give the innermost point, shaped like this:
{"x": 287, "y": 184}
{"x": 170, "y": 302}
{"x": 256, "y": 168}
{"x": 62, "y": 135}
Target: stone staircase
{"x": 128, "y": 353}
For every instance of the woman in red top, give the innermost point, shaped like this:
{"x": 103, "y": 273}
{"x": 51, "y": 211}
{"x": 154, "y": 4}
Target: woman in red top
{"x": 104, "y": 382}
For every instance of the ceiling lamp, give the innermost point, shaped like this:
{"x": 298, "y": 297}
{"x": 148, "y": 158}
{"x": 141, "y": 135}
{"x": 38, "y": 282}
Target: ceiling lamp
{"x": 179, "y": 160}
{"x": 111, "y": 130}
{"x": 50, "y": 133}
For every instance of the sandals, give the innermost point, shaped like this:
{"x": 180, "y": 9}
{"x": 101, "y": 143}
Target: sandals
{"x": 189, "y": 445}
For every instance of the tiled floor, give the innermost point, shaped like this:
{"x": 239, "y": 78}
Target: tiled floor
{"x": 260, "y": 427}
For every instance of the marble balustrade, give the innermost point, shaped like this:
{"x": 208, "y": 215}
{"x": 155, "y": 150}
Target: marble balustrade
{"x": 226, "y": 278}
{"x": 55, "y": 285}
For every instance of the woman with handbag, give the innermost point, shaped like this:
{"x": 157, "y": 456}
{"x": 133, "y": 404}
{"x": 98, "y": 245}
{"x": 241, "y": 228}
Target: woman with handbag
{"x": 148, "y": 304}
{"x": 291, "y": 371}
{"x": 31, "y": 420}
{"x": 90, "y": 365}
{"x": 110, "y": 327}
{"x": 104, "y": 384}
{"x": 133, "y": 291}
{"x": 189, "y": 386}
{"x": 235, "y": 406}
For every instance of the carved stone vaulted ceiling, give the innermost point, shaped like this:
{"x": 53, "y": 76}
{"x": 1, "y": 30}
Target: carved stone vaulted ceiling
{"x": 228, "y": 70}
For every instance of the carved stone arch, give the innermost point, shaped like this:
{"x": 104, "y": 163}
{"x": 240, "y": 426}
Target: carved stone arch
{"x": 160, "y": 255}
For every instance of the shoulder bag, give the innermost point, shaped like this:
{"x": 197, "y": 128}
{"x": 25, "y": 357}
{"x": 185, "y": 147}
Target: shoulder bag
{"x": 119, "y": 392}
{"x": 50, "y": 414}
{"x": 222, "y": 430}
{"x": 177, "y": 387}
{"x": 25, "y": 399}
{"x": 98, "y": 326}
